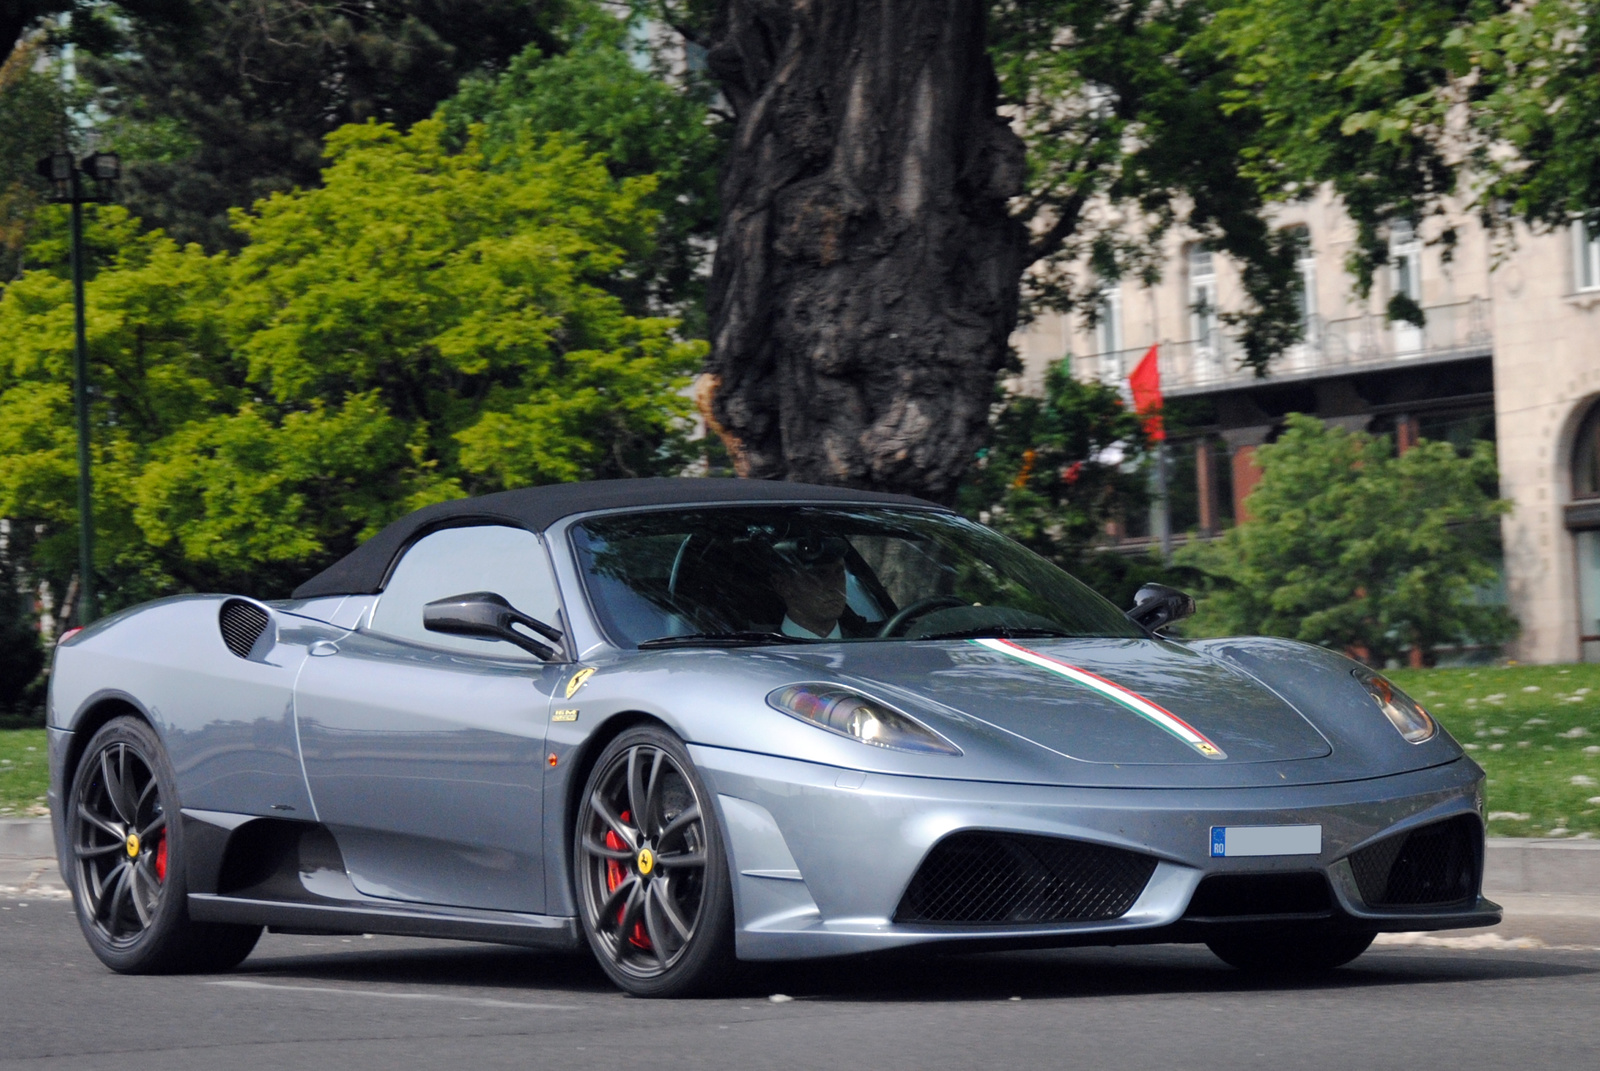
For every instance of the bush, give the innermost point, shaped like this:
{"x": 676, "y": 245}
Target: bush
{"x": 1351, "y": 547}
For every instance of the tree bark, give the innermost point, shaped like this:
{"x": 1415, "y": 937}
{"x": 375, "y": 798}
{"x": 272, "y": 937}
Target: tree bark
{"x": 867, "y": 270}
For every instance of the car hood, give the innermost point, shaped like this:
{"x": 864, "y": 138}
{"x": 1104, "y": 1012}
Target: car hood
{"x": 1125, "y": 702}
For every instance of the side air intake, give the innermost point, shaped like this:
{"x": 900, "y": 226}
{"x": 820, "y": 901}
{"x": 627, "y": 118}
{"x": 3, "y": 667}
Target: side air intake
{"x": 981, "y": 878}
{"x": 1431, "y": 865}
{"x": 242, "y": 624}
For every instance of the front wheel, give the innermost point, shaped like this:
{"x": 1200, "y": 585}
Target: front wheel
{"x": 652, "y": 876}
{"x": 1289, "y": 952}
{"x": 125, "y": 862}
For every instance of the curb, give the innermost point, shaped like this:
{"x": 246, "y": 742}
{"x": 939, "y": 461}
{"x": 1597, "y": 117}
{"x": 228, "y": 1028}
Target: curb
{"x": 1513, "y": 864}
{"x": 26, "y": 838}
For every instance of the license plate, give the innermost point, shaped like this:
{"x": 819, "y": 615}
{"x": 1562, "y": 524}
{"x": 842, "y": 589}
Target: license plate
{"x": 1231, "y": 841}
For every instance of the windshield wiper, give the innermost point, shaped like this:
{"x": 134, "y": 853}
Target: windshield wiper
{"x": 999, "y": 633}
{"x": 720, "y": 639}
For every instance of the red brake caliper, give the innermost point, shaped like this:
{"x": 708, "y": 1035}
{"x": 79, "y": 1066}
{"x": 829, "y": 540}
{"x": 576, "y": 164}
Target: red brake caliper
{"x": 615, "y": 875}
{"x": 161, "y": 859}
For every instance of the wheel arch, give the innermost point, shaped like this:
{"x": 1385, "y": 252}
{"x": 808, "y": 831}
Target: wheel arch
{"x": 95, "y": 713}
{"x": 582, "y": 765}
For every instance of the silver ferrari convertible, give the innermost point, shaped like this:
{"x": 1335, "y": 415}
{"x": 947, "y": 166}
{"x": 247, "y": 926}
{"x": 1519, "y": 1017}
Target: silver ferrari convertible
{"x": 692, "y": 722}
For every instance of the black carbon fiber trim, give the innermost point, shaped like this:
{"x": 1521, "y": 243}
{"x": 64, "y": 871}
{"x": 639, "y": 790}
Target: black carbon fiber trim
{"x": 1440, "y": 863}
{"x": 979, "y": 878}
{"x": 242, "y": 624}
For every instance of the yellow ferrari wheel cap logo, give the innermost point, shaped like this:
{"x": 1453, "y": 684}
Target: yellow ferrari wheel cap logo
{"x": 133, "y": 844}
{"x": 647, "y": 860}
{"x": 578, "y": 680}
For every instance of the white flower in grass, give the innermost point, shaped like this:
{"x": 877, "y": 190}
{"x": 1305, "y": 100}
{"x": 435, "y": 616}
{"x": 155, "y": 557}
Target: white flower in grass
{"x": 1497, "y": 747}
{"x": 1574, "y": 732}
{"x": 1584, "y": 781}
{"x": 1531, "y": 688}
{"x": 1508, "y": 816}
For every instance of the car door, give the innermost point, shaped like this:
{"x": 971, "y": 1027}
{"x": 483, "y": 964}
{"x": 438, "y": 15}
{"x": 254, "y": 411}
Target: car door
{"x": 424, "y": 752}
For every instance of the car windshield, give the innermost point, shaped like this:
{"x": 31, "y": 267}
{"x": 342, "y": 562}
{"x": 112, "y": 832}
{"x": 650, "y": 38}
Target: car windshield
{"x": 796, "y": 574}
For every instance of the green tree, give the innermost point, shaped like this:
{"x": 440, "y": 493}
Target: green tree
{"x": 235, "y": 105}
{"x": 422, "y": 325}
{"x": 644, "y": 123}
{"x": 1353, "y": 548}
{"x": 1418, "y": 110}
{"x": 1060, "y": 467}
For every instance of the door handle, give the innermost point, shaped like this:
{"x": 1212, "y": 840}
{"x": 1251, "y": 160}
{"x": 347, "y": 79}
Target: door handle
{"x": 323, "y": 648}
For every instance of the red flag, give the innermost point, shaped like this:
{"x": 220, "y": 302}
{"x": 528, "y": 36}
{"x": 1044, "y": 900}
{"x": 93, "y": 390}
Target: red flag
{"x": 1145, "y": 383}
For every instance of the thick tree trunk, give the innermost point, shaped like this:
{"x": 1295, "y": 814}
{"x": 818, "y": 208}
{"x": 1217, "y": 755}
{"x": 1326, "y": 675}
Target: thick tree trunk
{"x": 867, "y": 271}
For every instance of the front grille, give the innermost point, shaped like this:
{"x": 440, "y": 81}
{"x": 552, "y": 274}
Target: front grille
{"x": 1433, "y": 864}
{"x": 1241, "y": 895}
{"x": 242, "y": 624}
{"x": 979, "y": 878}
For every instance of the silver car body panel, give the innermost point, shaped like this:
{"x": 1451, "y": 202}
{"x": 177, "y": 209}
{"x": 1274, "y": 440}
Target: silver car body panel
{"x": 449, "y": 789}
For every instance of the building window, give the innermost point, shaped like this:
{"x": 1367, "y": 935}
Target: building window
{"x": 1586, "y": 457}
{"x": 1306, "y": 263}
{"x": 1202, "y": 297}
{"x": 1108, "y": 330}
{"x": 1586, "y": 254}
{"x": 1405, "y": 279}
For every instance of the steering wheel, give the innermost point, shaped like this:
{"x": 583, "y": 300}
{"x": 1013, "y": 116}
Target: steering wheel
{"x": 917, "y": 609}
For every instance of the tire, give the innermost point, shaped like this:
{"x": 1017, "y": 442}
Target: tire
{"x": 653, "y": 891}
{"x": 1289, "y": 952}
{"x": 124, "y": 861}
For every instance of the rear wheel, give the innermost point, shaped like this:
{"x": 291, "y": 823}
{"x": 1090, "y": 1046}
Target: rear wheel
{"x": 1289, "y": 952}
{"x": 652, "y": 876}
{"x": 126, "y": 861}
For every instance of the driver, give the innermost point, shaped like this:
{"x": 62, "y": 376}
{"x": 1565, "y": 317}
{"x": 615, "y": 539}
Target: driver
{"x": 809, "y": 576}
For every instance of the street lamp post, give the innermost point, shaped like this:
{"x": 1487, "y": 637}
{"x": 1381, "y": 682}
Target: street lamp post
{"x": 66, "y": 178}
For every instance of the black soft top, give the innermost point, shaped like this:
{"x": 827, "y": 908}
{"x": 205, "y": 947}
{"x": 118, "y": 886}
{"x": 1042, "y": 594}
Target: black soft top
{"x": 364, "y": 570}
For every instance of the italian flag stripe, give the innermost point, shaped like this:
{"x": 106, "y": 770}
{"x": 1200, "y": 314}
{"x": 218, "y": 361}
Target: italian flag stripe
{"x": 1133, "y": 701}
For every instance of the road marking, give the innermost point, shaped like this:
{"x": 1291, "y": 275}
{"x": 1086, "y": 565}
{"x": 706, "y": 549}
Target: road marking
{"x": 482, "y": 1002}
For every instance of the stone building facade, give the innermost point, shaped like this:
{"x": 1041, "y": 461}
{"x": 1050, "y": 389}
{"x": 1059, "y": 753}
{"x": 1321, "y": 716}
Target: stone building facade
{"x": 1510, "y": 352}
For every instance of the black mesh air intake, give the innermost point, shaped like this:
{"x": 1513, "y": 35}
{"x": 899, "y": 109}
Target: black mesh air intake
{"x": 242, "y": 624}
{"x": 1434, "y": 864}
{"x": 977, "y": 878}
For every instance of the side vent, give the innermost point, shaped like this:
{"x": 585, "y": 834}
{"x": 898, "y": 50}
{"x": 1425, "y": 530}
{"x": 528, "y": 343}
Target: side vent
{"x": 242, "y": 624}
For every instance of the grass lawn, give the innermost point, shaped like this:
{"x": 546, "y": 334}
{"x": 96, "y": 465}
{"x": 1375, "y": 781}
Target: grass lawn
{"x": 1536, "y": 732}
{"x": 24, "y": 772}
{"x": 1534, "y": 729}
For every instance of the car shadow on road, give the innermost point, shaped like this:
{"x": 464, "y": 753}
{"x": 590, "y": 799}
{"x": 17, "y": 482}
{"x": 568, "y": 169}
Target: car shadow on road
{"x": 1148, "y": 971}
{"x": 1061, "y": 974}
{"x": 464, "y": 966}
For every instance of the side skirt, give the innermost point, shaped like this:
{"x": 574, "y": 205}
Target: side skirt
{"x": 532, "y": 931}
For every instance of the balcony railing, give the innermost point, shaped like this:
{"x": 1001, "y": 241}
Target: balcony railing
{"x": 1454, "y": 330}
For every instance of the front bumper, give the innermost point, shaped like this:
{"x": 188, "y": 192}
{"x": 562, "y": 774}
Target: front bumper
{"x": 820, "y": 856}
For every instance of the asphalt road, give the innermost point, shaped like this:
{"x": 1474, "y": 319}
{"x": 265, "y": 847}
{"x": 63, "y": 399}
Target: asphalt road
{"x": 386, "y": 1003}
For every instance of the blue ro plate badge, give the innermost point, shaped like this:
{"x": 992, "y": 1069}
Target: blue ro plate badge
{"x": 1231, "y": 841}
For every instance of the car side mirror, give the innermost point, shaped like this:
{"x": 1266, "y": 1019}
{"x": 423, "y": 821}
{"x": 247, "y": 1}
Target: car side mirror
{"x": 487, "y": 616}
{"x": 1156, "y": 606}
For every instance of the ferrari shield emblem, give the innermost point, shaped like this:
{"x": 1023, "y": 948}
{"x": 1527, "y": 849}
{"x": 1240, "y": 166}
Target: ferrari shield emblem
{"x": 578, "y": 680}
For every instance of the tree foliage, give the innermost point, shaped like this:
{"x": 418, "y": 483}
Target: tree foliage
{"x": 235, "y": 105}
{"x": 1060, "y": 467}
{"x": 424, "y": 324}
{"x": 597, "y": 93}
{"x": 1351, "y": 547}
{"x": 1123, "y": 111}
{"x": 1417, "y": 110}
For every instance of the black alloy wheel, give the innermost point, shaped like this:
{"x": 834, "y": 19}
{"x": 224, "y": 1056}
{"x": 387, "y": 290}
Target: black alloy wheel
{"x": 651, "y": 872}
{"x": 125, "y": 867}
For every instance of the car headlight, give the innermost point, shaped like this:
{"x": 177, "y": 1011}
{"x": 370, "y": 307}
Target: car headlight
{"x": 1403, "y": 712}
{"x": 849, "y": 713}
